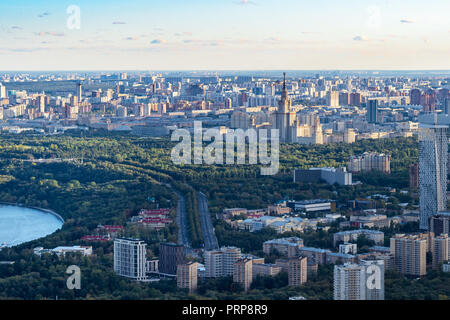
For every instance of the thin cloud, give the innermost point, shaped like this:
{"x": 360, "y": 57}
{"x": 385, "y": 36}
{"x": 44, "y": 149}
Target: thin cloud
{"x": 131, "y": 38}
{"x": 119, "y": 22}
{"x": 43, "y": 15}
{"x": 407, "y": 21}
{"x": 16, "y": 28}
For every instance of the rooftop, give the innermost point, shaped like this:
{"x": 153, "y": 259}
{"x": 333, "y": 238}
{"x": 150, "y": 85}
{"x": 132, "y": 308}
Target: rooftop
{"x": 318, "y": 250}
{"x": 360, "y": 231}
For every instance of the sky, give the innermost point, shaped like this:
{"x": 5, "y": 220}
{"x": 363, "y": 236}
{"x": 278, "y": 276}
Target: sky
{"x": 224, "y": 35}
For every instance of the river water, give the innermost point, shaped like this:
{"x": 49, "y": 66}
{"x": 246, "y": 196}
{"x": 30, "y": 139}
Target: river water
{"x": 19, "y": 224}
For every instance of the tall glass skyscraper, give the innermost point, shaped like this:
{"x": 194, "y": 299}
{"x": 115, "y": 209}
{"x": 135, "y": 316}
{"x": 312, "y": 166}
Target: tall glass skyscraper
{"x": 372, "y": 111}
{"x": 433, "y": 158}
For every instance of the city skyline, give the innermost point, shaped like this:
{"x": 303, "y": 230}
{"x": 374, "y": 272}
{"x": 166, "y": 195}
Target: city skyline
{"x": 225, "y": 35}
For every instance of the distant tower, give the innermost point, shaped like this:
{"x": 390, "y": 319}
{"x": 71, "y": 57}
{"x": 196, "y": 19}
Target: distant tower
{"x": 372, "y": 111}
{"x": 2, "y": 91}
{"x": 433, "y": 158}
{"x": 284, "y": 117}
{"x": 79, "y": 91}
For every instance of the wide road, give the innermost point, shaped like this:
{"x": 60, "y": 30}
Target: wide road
{"x": 206, "y": 223}
{"x": 183, "y": 234}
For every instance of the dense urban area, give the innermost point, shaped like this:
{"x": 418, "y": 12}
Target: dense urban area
{"x": 360, "y": 194}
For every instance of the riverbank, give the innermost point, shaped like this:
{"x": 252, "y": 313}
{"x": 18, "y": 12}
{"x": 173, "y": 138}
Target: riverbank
{"x": 35, "y": 208}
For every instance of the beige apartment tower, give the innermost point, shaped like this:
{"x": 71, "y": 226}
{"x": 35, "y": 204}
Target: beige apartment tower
{"x": 242, "y": 273}
{"x": 410, "y": 254}
{"x": 441, "y": 251}
{"x": 298, "y": 271}
{"x": 187, "y": 276}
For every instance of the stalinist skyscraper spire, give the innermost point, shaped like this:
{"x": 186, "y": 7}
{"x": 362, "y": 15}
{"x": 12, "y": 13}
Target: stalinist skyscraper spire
{"x": 285, "y": 104}
{"x": 284, "y": 118}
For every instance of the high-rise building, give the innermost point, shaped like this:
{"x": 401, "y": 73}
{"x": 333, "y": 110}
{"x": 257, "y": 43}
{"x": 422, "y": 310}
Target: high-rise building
{"x": 375, "y": 269}
{"x": 79, "y": 91}
{"x": 415, "y": 95}
{"x": 121, "y": 111}
{"x": 364, "y": 281}
{"x": 372, "y": 111}
{"x": 410, "y": 254}
{"x": 441, "y": 252}
{"x": 428, "y": 100}
{"x": 242, "y": 273}
{"x": 414, "y": 176}
{"x": 355, "y": 99}
{"x": 2, "y": 91}
{"x": 228, "y": 103}
{"x": 333, "y": 99}
{"x": 187, "y": 276}
{"x": 369, "y": 161}
{"x": 433, "y": 158}
{"x": 298, "y": 271}
{"x": 213, "y": 264}
{"x": 349, "y": 136}
{"x": 284, "y": 117}
{"x": 220, "y": 263}
{"x": 349, "y": 282}
{"x": 170, "y": 256}
{"x": 41, "y": 101}
{"x": 230, "y": 256}
{"x": 74, "y": 101}
{"x": 344, "y": 98}
{"x": 130, "y": 256}
{"x": 440, "y": 223}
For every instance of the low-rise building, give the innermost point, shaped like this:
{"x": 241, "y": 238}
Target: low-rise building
{"x": 284, "y": 246}
{"x": 348, "y": 248}
{"x": 340, "y": 258}
{"x": 329, "y": 175}
{"x": 314, "y": 205}
{"x": 352, "y": 235}
{"x": 315, "y": 254}
{"x": 61, "y": 251}
{"x": 265, "y": 270}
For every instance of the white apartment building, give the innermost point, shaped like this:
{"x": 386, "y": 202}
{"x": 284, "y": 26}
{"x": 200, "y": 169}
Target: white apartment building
{"x": 130, "y": 257}
{"x": 364, "y": 281}
{"x": 220, "y": 263}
